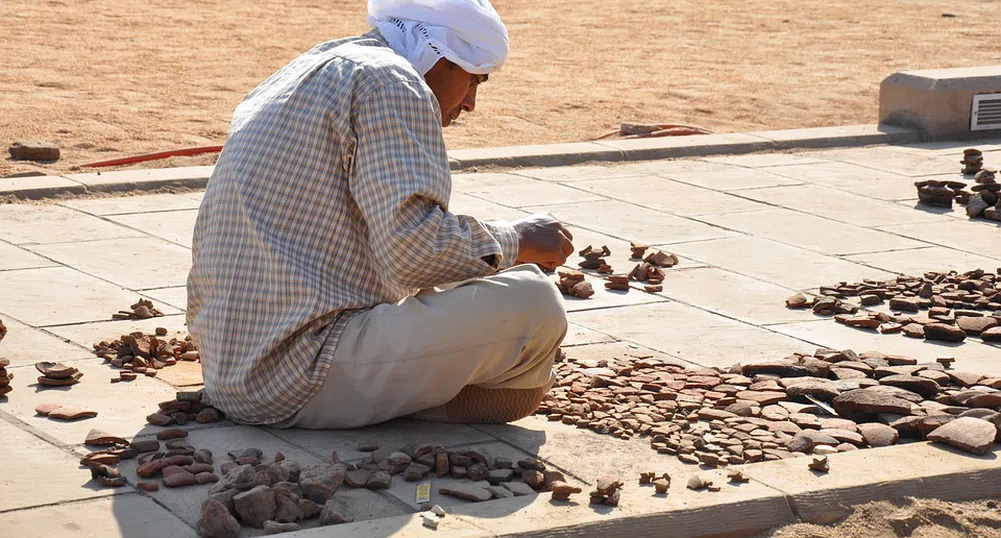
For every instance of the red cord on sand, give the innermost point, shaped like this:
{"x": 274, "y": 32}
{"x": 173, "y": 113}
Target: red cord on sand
{"x": 184, "y": 152}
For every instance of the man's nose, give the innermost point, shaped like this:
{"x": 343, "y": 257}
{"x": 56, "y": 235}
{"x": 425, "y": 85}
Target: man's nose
{"x": 469, "y": 103}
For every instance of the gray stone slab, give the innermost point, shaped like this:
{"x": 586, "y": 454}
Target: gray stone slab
{"x": 764, "y": 160}
{"x": 847, "y": 177}
{"x": 59, "y": 295}
{"x": 920, "y": 260}
{"x": 483, "y": 210}
{"x": 897, "y": 162}
{"x": 121, "y": 180}
{"x": 12, "y": 257}
{"x": 44, "y": 474}
{"x": 134, "y": 263}
{"x": 731, "y": 295}
{"x": 174, "y": 226}
{"x": 25, "y": 345}
{"x": 584, "y": 453}
{"x": 36, "y": 187}
{"x": 688, "y": 146}
{"x": 780, "y": 264}
{"x": 394, "y": 434}
{"x": 839, "y": 205}
{"x": 633, "y": 222}
{"x": 176, "y": 296}
{"x": 121, "y": 205}
{"x": 121, "y": 407}
{"x": 976, "y": 237}
{"x": 536, "y": 155}
{"x": 841, "y": 136}
{"x": 578, "y": 336}
{"x": 186, "y": 502}
{"x": 669, "y": 196}
{"x": 122, "y": 516}
{"x": 518, "y": 191}
{"x": 30, "y": 223}
{"x": 721, "y": 177}
{"x": 569, "y": 174}
{"x": 810, "y": 232}
{"x": 690, "y": 334}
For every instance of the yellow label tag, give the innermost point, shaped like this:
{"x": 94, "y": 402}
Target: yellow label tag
{"x": 424, "y": 492}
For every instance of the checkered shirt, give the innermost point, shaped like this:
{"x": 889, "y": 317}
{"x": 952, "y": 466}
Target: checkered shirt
{"x": 330, "y": 197}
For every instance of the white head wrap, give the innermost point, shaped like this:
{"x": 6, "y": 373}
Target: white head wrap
{"x": 469, "y": 33}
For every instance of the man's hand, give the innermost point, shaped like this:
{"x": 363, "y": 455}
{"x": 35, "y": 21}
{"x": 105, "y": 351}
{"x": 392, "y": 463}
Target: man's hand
{"x": 543, "y": 240}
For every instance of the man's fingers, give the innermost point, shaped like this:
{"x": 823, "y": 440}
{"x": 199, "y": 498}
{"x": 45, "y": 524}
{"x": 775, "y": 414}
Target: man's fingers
{"x": 566, "y": 246}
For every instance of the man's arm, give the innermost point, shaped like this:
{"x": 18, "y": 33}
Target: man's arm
{"x": 401, "y": 184}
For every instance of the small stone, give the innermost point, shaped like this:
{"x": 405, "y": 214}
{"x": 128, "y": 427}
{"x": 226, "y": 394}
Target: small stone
{"x": 438, "y": 510}
{"x": 33, "y": 150}
{"x": 738, "y": 476}
{"x": 518, "y": 488}
{"x": 274, "y": 527}
{"x": 319, "y": 482}
{"x": 216, "y": 521}
{"x": 206, "y": 478}
{"x": 175, "y": 433}
{"x": 148, "y": 486}
{"x": 145, "y": 445}
{"x": 429, "y": 521}
{"x": 966, "y": 433}
{"x": 797, "y": 301}
{"x": 379, "y": 480}
{"x": 534, "y": 479}
{"x": 415, "y": 471}
{"x": 159, "y": 419}
{"x": 696, "y": 483}
{"x": 335, "y": 512}
{"x": 309, "y": 508}
{"x": 203, "y": 456}
{"x": 368, "y": 447}
{"x": 255, "y": 506}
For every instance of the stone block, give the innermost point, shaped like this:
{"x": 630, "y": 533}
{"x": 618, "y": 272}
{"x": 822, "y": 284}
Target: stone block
{"x": 937, "y": 102}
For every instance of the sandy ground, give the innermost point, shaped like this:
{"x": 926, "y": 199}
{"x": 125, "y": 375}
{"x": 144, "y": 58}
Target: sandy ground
{"x": 108, "y": 78}
{"x": 915, "y": 518}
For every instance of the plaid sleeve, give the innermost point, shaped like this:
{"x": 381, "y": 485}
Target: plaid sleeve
{"x": 401, "y": 184}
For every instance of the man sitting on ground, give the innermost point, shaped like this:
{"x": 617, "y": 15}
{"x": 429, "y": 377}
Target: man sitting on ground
{"x": 328, "y": 212}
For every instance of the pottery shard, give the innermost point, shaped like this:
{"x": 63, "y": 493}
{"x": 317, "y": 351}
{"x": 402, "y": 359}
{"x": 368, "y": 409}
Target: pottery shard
{"x": 256, "y": 505}
{"x": 145, "y": 445}
{"x": 55, "y": 370}
{"x": 991, "y": 335}
{"x": 335, "y": 512}
{"x": 977, "y": 325}
{"x": 877, "y": 435}
{"x": 943, "y": 332}
{"x": 869, "y": 401}
{"x": 923, "y": 386}
{"x": 469, "y": 492}
{"x": 72, "y": 412}
{"x": 98, "y": 437}
{"x": 762, "y": 398}
{"x": 966, "y": 433}
{"x": 319, "y": 482}
{"x": 781, "y": 368}
{"x": 987, "y": 400}
{"x": 818, "y": 388}
{"x": 216, "y": 521}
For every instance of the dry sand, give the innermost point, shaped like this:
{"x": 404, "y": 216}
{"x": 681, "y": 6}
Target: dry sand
{"x": 108, "y": 78}
{"x": 915, "y": 518}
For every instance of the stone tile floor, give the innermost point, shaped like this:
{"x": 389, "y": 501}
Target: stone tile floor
{"x": 749, "y": 229}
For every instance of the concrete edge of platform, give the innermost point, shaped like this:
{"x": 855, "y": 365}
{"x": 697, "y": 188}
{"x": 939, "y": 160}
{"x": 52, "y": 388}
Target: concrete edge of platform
{"x": 780, "y": 493}
{"x": 196, "y": 177}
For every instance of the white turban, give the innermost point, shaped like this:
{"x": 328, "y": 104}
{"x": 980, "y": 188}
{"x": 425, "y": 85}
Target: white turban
{"x": 469, "y": 33}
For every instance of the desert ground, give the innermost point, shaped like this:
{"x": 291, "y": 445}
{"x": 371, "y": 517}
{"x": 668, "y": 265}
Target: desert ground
{"x": 106, "y": 79}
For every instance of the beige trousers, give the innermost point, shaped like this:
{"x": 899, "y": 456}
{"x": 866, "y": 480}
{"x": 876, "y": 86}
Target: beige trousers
{"x": 497, "y": 332}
